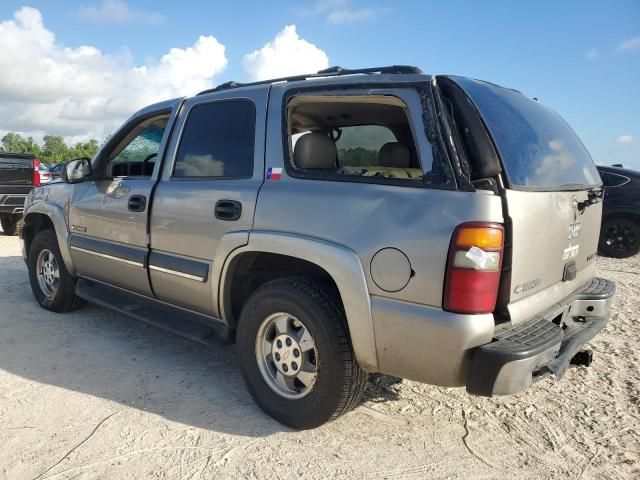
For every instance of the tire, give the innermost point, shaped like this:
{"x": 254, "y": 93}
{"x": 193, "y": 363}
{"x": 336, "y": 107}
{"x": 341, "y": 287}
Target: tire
{"x": 63, "y": 299}
{"x": 12, "y": 224}
{"x": 619, "y": 237}
{"x": 339, "y": 381}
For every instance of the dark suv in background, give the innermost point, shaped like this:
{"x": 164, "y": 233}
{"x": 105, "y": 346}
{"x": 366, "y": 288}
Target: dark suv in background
{"x": 620, "y": 232}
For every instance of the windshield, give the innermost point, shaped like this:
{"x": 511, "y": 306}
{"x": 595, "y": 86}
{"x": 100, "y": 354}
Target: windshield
{"x": 539, "y": 150}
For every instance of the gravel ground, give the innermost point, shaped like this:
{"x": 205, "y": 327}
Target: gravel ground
{"x": 94, "y": 394}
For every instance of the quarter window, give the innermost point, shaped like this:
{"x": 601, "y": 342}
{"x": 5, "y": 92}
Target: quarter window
{"x": 613, "y": 180}
{"x": 217, "y": 141}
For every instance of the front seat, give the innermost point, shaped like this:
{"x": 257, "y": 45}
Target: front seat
{"x": 315, "y": 151}
{"x": 394, "y": 155}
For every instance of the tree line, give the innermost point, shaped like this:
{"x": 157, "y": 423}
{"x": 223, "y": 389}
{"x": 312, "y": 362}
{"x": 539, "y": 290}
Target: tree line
{"x": 52, "y": 150}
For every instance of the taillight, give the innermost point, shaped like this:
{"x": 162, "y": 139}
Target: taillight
{"x": 473, "y": 268}
{"x": 36, "y": 172}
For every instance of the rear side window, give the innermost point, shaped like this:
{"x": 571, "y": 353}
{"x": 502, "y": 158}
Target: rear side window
{"x": 217, "y": 141}
{"x": 358, "y": 138}
{"x": 538, "y": 148}
{"x": 613, "y": 180}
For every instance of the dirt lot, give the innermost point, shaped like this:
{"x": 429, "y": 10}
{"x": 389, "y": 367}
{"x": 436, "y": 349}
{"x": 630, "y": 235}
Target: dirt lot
{"x": 96, "y": 395}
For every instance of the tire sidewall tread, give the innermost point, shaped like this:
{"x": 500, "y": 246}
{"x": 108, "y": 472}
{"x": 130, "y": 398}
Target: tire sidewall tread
{"x": 611, "y": 252}
{"x": 65, "y": 300}
{"x": 340, "y": 380}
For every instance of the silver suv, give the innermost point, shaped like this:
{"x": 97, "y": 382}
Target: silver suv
{"x": 435, "y": 228}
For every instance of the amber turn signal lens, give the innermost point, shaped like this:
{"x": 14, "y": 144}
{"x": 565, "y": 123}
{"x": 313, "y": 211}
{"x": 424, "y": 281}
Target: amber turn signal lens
{"x": 481, "y": 237}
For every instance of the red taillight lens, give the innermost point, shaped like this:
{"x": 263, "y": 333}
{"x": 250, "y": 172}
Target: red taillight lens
{"x": 36, "y": 172}
{"x": 473, "y": 268}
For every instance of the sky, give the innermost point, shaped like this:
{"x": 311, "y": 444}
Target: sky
{"x": 78, "y": 68}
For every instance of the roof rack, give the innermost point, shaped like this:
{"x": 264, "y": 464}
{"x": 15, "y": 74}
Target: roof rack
{"x": 327, "y": 72}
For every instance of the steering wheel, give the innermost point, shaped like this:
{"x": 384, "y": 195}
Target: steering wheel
{"x": 335, "y": 133}
{"x": 144, "y": 162}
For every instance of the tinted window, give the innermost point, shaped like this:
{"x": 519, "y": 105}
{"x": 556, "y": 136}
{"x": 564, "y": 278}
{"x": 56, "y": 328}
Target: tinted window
{"x": 217, "y": 141}
{"x": 613, "y": 180}
{"x": 537, "y": 147}
{"x": 607, "y": 181}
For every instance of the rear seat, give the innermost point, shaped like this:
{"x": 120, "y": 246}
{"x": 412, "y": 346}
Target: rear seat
{"x": 315, "y": 151}
{"x": 394, "y": 161}
{"x": 318, "y": 152}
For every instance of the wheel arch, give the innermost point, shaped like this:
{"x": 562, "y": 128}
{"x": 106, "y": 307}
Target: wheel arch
{"x": 293, "y": 254}
{"x": 44, "y": 216}
{"x": 621, "y": 212}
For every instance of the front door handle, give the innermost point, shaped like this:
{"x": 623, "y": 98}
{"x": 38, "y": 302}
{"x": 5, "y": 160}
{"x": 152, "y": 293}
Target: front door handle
{"x": 229, "y": 210}
{"x": 137, "y": 203}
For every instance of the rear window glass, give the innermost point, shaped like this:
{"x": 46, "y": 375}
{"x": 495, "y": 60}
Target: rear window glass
{"x": 538, "y": 148}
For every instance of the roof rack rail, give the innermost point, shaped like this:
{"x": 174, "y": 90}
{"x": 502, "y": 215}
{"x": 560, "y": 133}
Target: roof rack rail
{"x": 327, "y": 72}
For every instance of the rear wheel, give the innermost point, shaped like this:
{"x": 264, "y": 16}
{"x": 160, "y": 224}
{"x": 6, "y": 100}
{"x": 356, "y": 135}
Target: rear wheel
{"x": 620, "y": 237}
{"x": 51, "y": 283}
{"x": 11, "y": 224}
{"x": 295, "y": 353}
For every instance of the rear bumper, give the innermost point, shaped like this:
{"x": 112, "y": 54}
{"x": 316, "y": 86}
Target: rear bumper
{"x": 519, "y": 356}
{"x": 12, "y": 203}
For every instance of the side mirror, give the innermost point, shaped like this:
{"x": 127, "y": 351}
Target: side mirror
{"x": 76, "y": 171}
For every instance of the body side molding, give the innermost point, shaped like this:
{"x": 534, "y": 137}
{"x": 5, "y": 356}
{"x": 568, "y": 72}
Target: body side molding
{"x": 179, "y": 266}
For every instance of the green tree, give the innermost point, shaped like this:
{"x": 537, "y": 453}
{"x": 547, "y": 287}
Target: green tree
{"x": 87, "y": 149}
{"x": 16, "y": 143}
{"x": 358, "y": 157}
{"x": 54, "y": 150}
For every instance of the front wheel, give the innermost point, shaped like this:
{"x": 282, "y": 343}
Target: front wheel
{"x": 51, "y": 283}
{"x": 620, "y": 237}
{"x": 295, "y": 354}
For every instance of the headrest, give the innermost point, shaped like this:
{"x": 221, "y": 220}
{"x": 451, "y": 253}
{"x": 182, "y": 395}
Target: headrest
{"x": 315, "y": 150}
{"x": 394, "y": 154}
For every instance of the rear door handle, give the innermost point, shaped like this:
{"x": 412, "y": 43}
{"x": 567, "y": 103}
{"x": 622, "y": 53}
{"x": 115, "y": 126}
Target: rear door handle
{"x": 229, "y": 210}
{"x": 137, "y": 203}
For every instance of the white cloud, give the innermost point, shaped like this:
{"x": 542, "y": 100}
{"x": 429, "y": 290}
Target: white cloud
{"x": 629, "y": 44}
{"x": 592, "y": 54}
{"x": 81, "y": 91}
{"x": 287, "y": 54}
{"x": 346, "y": 15}
{"x": 339, "y": 12}
{"x": 118, "y": 11}
{"x": 625, "y": 139}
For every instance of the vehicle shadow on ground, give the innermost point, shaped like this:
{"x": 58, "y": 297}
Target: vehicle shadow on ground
{"x": 108, "y": 355}
{"x": 105, "y": 354}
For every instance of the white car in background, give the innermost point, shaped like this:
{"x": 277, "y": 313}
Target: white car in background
{"x": 45, "y": 174}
